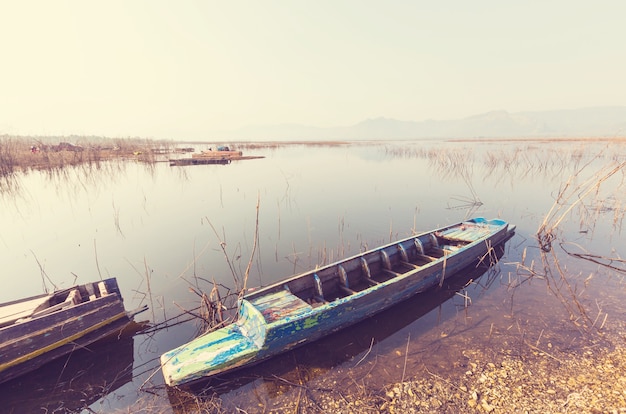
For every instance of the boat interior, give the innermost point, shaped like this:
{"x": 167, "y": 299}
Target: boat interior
{"x": 20, "y": 311}
{"x": 369, "y": 269}
{"x": 345, "y": 278}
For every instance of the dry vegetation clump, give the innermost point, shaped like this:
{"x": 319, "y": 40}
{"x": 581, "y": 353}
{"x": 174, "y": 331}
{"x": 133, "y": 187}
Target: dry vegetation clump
{"x": 35, "y": 153}
{"x": 8, "y": 162}
{"x": 574, "y": 192}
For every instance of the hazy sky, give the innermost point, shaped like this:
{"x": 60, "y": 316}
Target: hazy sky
{"x": 184, "y": 69}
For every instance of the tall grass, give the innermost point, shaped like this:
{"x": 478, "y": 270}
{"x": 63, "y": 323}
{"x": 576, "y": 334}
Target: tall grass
{"x": 594, "y": 192}
{"x": 8, "y": 153}
{"x": 55, "y": 157}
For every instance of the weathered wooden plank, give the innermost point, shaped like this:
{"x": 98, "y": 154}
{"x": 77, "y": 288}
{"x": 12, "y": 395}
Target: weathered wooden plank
{"x": 56, "y": 334}
{"x": 10, "y": 313}
{"x": 279, "y": 305}
{"x": 15, "y": 332}
{"x": 111, "y": 328}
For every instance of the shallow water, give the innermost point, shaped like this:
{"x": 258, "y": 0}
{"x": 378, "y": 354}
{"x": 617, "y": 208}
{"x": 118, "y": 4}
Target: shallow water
{"x": 158, "y": 229}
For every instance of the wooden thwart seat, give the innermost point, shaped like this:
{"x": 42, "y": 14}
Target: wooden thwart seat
{"x": 427, "y": 257}
{"x": 346, "y": 290}
{"x": 367, "y": 274}
{"x": 409, "y": 264}
{"x": 73, "y": 298}
{"x": 344, "y": 285}
{"x": 280, "y": 304}
{"x": 466, "y": 233}
{"x": 392, "y": 273}
{"x": 371, "y": 281}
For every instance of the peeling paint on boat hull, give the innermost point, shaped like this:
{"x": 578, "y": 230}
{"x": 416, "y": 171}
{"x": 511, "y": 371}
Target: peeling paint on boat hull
{"x": 275, "y": 319}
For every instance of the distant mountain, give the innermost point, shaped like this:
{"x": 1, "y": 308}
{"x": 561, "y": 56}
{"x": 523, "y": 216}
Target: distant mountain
{"x": 586, "y": 122}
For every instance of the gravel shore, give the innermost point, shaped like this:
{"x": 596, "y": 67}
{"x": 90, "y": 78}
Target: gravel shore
{"x": 587, "y": 381}
{"x": 591, "y": 383}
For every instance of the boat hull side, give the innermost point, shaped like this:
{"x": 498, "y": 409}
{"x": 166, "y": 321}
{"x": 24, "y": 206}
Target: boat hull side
{"x": 347, "y": 311}
{"x": 341, "y": 313}
{"x": 27, "y": 346}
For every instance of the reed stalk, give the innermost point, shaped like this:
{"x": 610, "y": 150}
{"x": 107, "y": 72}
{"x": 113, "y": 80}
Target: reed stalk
{"x": 570, "y": 196}
{"x": 254, "y": 247}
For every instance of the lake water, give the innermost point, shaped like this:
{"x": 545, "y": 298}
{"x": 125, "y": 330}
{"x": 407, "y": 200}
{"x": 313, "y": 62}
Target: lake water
{"x": 168, "y": 232}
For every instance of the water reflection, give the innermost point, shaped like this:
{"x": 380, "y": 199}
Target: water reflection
{"x": 73, "y": 383}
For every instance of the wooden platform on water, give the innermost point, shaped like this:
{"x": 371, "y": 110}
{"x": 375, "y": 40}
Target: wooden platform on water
{"x": 210, "y": 160}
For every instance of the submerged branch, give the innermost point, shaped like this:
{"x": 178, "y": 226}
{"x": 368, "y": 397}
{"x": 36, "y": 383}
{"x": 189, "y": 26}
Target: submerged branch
{"x": 613, "y": 263}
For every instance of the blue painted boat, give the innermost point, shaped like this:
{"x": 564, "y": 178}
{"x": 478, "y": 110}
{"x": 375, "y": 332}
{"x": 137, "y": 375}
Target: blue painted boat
{"x": 311, "y": 305}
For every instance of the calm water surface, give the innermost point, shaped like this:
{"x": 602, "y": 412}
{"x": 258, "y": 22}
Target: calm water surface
{"x": 159, "y": 229}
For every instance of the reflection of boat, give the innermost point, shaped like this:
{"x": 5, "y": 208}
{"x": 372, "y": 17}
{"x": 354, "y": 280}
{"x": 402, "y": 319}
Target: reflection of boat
{"x": 198, "y": 161}
{"x": 309, "y": 306}
{"x": 74, "y": 382}
{"x": 36, "y": 330}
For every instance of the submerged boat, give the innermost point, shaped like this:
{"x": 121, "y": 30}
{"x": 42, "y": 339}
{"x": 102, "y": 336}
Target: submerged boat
{"x": 313, "y": 304}
{"x": 39, "y": 329}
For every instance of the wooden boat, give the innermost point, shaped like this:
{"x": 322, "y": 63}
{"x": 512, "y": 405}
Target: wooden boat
{"x": 339, "y": 347}
{"x": 311, "y": 305}
{"x": 36, "y": 330}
